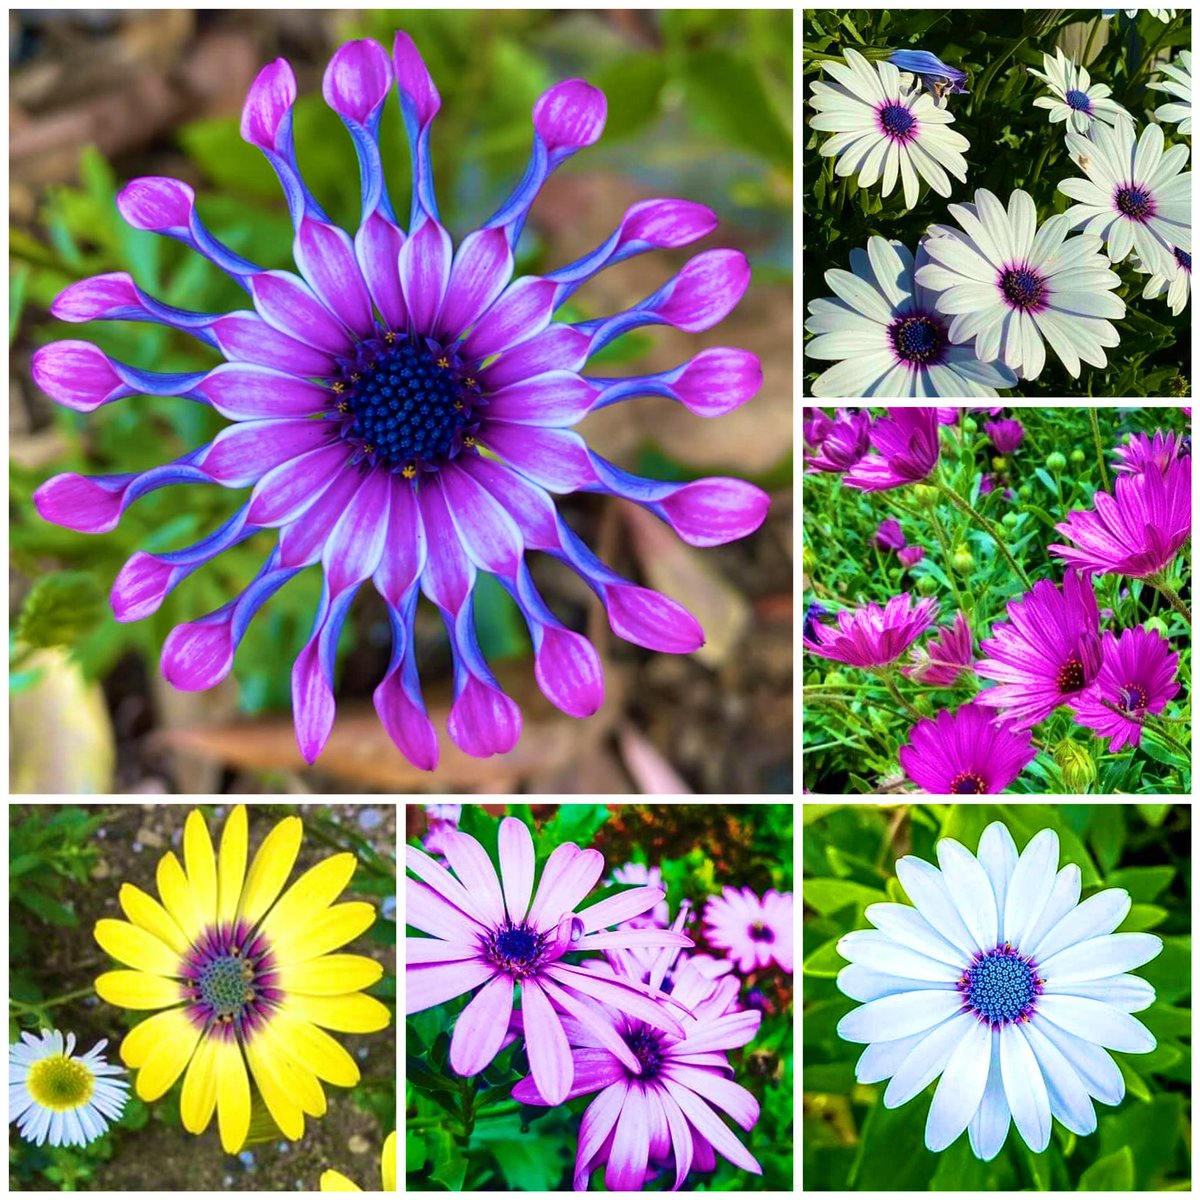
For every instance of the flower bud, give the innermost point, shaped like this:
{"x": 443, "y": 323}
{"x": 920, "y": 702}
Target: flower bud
{"x": 1055, "y": 461}
{"x": 1078, "y": 456}
{"x": 1076, "y": 764}
{"x": 926, "y": 585}
{"x": 835, "y": 679}
{"x": 1025, "y": 491}
{"x": 999, "y": 463}
{"x": 925, "y": 495}
{"x": 1009, "y": 519}
{"x": 962, "y": 561}
{"x": 969, "y": 425}
{"x": 1157, "y": 624}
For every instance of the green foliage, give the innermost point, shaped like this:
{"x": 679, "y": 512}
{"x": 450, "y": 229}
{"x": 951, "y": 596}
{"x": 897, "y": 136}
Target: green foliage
{"x": 851, "y": 1140}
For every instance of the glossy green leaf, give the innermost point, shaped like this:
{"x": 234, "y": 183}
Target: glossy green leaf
{"x": 826, "y": 962}
{"x": 1112, "y": 1173}
{"x": 829, "y": 895}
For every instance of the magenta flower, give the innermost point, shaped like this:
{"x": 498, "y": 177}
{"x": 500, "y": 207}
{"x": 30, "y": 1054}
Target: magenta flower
{"x": 965, "y": 752}
{"x": 815, "y": 425}
{"x": 843, "y": 443}
{"x": 487, "y": 935}
{"x": 754, "y": 931}
{"x": 1137, "y": 531}
{"x": 988, "y": 483}
{"x": 657, "y": 1100}
{"x": 402, "y": 411}
{"x": 1005, "y": 435}
{"x": 945, "y": 657}
{"x": 909, "y": 556}
{"x": 873, "y": 636}
{"x": 1137, "y": 676}
{"x": 907, "y": 441}
{"x": 443, "y": 819}
{"x": 889, "y": 535}
{"x": 1142, "y": 452}
{"x": 1046, "y": 653}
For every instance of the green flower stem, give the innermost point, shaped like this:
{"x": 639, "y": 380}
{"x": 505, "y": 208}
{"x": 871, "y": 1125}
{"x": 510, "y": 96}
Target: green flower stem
{"x": 944, "y": 542}
{"x": 78, "y": 994}
{"x": 890, "y": 683}
{"x": 820, "y": 693}
{"x": 1041, "y": 162}
{"x": 1160, "y": 584}
{"x": 1099, "y": 447}
{"x": 984, "y": 524}
{"x": 1175, "y": 745}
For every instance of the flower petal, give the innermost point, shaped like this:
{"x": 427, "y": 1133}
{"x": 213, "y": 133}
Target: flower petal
{"x": 960, "y": 1090}
{"x": 481, "y": 1026}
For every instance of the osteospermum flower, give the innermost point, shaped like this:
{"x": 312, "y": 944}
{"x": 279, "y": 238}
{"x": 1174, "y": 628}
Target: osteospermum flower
{"x": 890, "y": 339}
{"x": 1143, "y": 453}
{"x": 1163, "y": 14}
{"x": 59, "y": 1097}
{"x": 934, "y": 74}
{"x": 658, "y": 1099}
{"x": 335, "y": 1181}
{"x": 908, "y": 445}
{"x": 1010, "y": 286}
{"x": 884, "y": 130}
{"x": 909, "y": 556}
{"x": 1137, "y": 530}
{"x": 889, "y": 535}
{"x": 940, "y": 662}
{"x": 1178, "y": 85}
{"x": 873, "y": 636}
{"x": 244, "y": 979}
{"x": 965, "y": 752}
{"x": 755, "y": 931}
{"x": 1045, "y": 653}
{"x": 1134, "y": 195}
{"x": 402, "y": 412}
{"x": 845, "y": 441}
{"x": 1175, "y": 282}
{"x": 644, "y": 876}
{"x": 1000, "y": 982}
{"x": 487, "y": 935}
{"x": 1005, "y": 435}
{"x": 1136, "y": 680}
{"x": 1079, "y": 102}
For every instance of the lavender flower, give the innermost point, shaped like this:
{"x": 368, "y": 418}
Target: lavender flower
{"x": 1006, "y": 435}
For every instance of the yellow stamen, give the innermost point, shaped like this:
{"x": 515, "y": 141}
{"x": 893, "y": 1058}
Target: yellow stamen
{"x": 409, "y": 471}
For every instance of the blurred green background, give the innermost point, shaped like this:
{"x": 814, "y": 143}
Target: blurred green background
{"x": 851, "y": 1142}
{"x": 699, "y": 107}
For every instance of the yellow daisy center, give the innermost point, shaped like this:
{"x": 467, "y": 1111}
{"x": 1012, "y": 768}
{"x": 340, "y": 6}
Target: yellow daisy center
{"x": 60, "y": 1083}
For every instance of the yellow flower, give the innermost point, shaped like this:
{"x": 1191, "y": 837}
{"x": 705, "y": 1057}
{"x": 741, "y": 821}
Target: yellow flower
{"x": 335, "y": 1181}
{"x": 244, "y": 977}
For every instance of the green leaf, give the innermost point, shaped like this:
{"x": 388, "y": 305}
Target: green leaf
{"x": 578, "y": 823}
{"x": 725, "y": 98}
{"x": 52, "y": 911}
{"x": 1161, "y": 752}
{"x": 527, "y": 1162}
{"x": 825, "y": 962}
{"x": 1142, "y": 883}
{"x": 1134, "y": 1083}
{"x": 633, "y": 85}
{"x": 498, "y": 621}
{"x": 60, "y": 609}
{"x": 448, "y": 1162}
{"x": 1112, "y": 1173}
{"x": 1170, "y": 974}
{"x": 1142, "y": 917}
{"x": 1107, "y": 834}
{"x": 1154, "y": 814}
{"x": 1165, "y": 1022}
{"x": 829, "y": 895}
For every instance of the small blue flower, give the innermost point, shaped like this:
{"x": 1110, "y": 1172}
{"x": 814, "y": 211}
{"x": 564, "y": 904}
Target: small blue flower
{"x": 933, "y": 73}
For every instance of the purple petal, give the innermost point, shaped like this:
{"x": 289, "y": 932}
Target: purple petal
{"x": 413, "y": 79}
{"x": 240, "y": 455}
{"x": 406, "y": 722}
{"x": 620, "y": 908}
{"x": 244, "y": 392}
{"x": 355, "y": 547}
{"x": 558, "y": 866}
{"x": 622, "y": 939}
{"x": 528, "y": 505}
{"x": 377, "y": 245}
{"x": 710, "y": 1127}
{"x": 156, "y": 203}
{"x": 313, "y": 703}
{"x": 426, "y": 987}
{"x": 438, "y": 878}
{"x": 718, "y": 380}
{"x": 291, "y": 488}
{"x": 704, "y": 292}
{"x": 550, "y": 1060}
{"x": 568, "y": 671}
{"x": 570, "y": 115}
{"x": 516, "y": 867}
{"x": 481, "y": 1026}
{"x": 406, "y": 542}
{"x": 472, "y": 865}
{"x": 557, "y": 459}
{"x": 521, "y": 312}
{"x": 648, "y": 618}
{"x": 357, "y": 80}
{"x": 481, "y": 271}
{"x": 92, "y": 299}
{"x": 561, "y": 890}
{"x": 725, "y": 1094}
{"x": 448, "y": 576}
{"x": 268, "y": 104}
{"x": 77, "y": 374}
{"x": 428, "y": 910}
{"x": 597, "y": 1124}
{"x": 303, "y": 538}
{"x": 556, "y": 398}
{"x": 425, "y": 273}
{"x": 711, "y": 512}
{"x": 483, "y": 721}
{"x": 598, "y": 1068}
{"x": 626, "y": 1170}
{"x": 421, "y": 951}
{"x": 556, "y": 348}
{"x": 681, "y": 1136}
{"x": 285, "y": 301}
{"x": 325, "y": 256}
{"x": 246, "y": 337}
{"x": 488, "y": 534}
{"x": 723, "y": 1033}
{"x": 665, "y": 224}
{"x": 197, "y": 655}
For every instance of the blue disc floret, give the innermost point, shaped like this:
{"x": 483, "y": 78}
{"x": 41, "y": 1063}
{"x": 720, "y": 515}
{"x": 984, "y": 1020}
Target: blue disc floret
{"x": 1001, "y": 986}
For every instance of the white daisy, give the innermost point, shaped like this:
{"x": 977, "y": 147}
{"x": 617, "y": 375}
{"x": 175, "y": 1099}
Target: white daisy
{"x": 57, "y": 1097}
{"x": 1008, "y": 285}
{"x": 1163, "y": 14}
{"x": 1134, "y": 196}
{"x": 885, "y": 130}
{"x": 1177, "y": 284}
{"x": 891, "y": 340}
{"x": 1179, "y": 85}
{"x": 1003, "y": 984}
{"x": 1081, "y": 102}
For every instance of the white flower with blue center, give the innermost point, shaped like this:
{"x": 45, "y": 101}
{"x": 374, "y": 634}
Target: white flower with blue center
{"x": 886, "y": 129}
{"x": 1076, "y": 100}
{"x": 1176, "y": 284}
{"x": 1003, "y": 984}
{"x": 1163, "y": 14}
{"x": 57, "y": 1097}
{"x": 1179, "y": 85}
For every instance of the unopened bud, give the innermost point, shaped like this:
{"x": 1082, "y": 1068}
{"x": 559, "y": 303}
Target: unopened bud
{"x": 1078, "y": 456}
{"x": 962, "y": 561}
{"x": 999, "y": 463}
{"x": 926, "y": 585}
{"x": 925, "y": 495}
{"x": 1055, "y": 461}
{"x": 1157, "y": 624}
{"x": 969, "y": 425}
{"x": 1076, "y": 765}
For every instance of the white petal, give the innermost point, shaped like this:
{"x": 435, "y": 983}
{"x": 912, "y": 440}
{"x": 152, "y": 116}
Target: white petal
{"x": 1100, "y": 957}
{"x": 870, "y": 948}
{"x": 906, "y": 925}
{"x": 960, "y": 1091}
{"x": 1096, "y": 1022}
{"x": 909, "y": 178}
{"x": 971, "y": 891}
{"x": 1062, "y": 900}
{"x": 1025, "y": 1088}
{"x": 1101, "y": 1076}
{"x": 1069, "y": 1100}
{"x": 926, "y": 1061}
{"x": 881, "y": 1060}
{"x": 1098, "y": 914}
{"x": 927, "y": 890}
{"x": 863, "y": 983}
{"x": 1032, "y": 883}
{"x": 852, "y": 376}
{"x": 897, "y": 1016}
{"x": 1129, "y": 993}
{"x": 989, "y": 1125}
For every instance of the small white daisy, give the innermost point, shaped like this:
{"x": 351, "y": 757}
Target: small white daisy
{"x": 1176, "y": 284}
{"x": 1179, "y": 85}
{"x": 1081, "y": 101}
{"x": 1163, "y": 14}
{"x": 889, "y": 337}
{"x": 885, "y": 130}
{"x": 1000, "y": 982}
{"x": 56, "y": 1097}
{"x": 1008, "y": 285}
{"x": 1134, "y": 195}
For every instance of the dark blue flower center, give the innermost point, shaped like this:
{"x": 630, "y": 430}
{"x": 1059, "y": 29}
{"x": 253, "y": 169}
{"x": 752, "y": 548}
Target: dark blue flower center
{"x": 917, "y": 339}
{"x": 521, "y": 944}
{"x": 1133, "y": 697}
{"x": 646, "y": 1044}
{"x": 515, "y": 949}
{"x": 407, "y": 404}
{"x": 1022, "y": 287}
{"x": 1134, "y": 202}
{"x": 760, "y": 933}
{"x": 1071, "y": 676}
{"x": 1184, "y": 259}
{"x": 812, "y": 619}
{"x": 1001, "y": 986}
{"x": 1078, "y": 100}
{"x": 967, "y": 783}
{"x": 225, "y": 985}
{"x": 897, "y": 121}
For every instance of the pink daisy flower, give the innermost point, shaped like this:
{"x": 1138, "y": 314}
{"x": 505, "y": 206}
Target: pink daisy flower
{"x": 945, "y": 657}
{"x": 754, "y": 931}
{"x": 842, "y": 443}
{"x": 909, "y": 556}
{"x": 487, "y": 935}
{"x": 1143, "y": 451}
{"x": 1005, "y": 435}
{"x": 965, "y": 753}
{"x": 1045, "y": 653}
{"x": 889, "y": 535}
{"x": 1137, "y": 676}
{"x": 907, "y": 441}
{"x": 1136, "y": 531}
{"x": 872, "y": 636}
